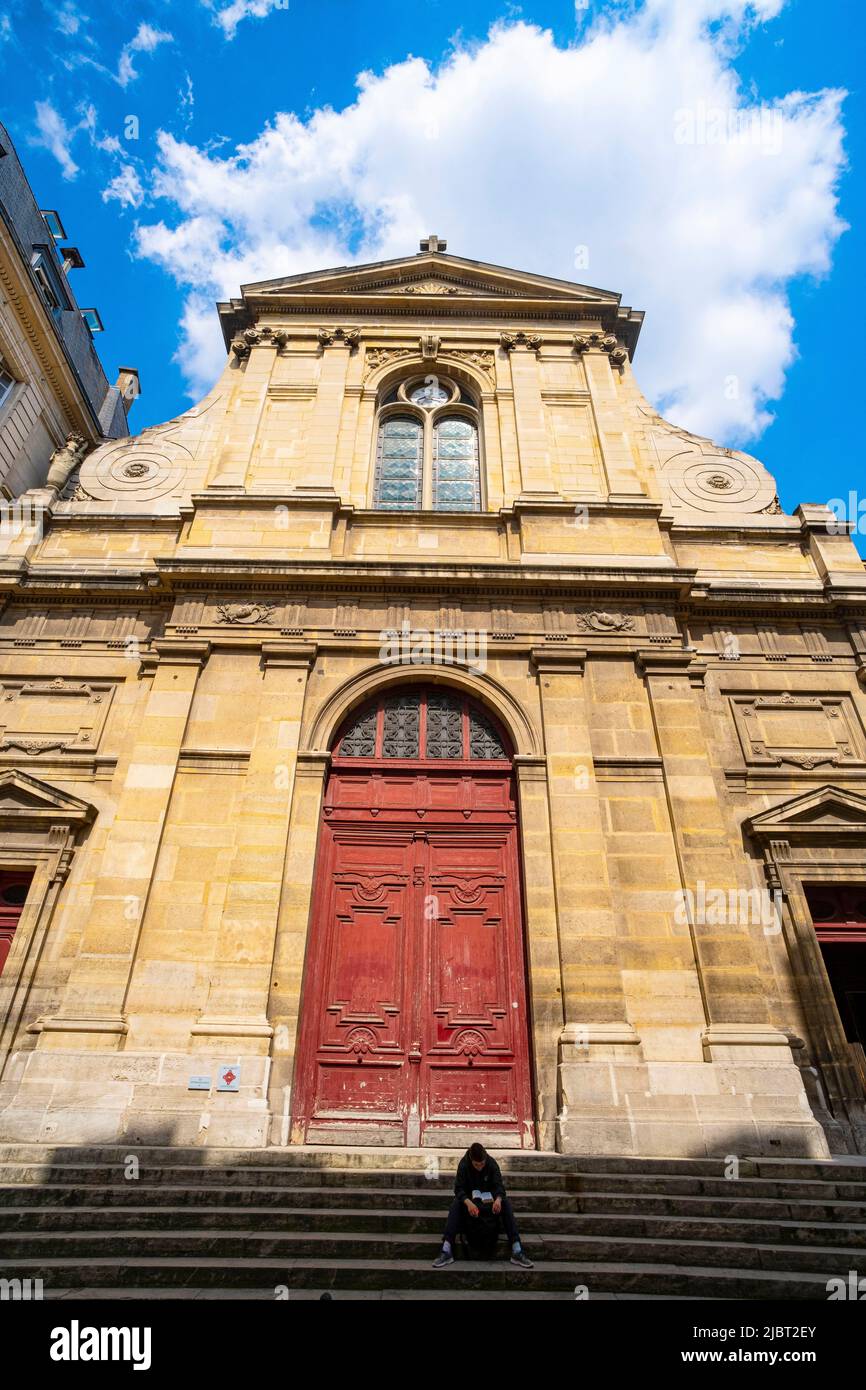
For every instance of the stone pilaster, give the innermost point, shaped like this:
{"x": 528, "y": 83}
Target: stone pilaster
{"x": 321, "y": 455}
{"x": 244, "y": 412}
{"x": 92, "y": 1012}
{"x": 758, "y": 1089}
{"x": 542, "y": 938}
{"x": 291, "y": 940}
{"x": 597, "y": 1038}
{"x": 533, "y": 442}
{"x": 238, "y": 998}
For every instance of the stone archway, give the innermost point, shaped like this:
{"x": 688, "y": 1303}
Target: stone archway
{"x": 414, "y": 1024}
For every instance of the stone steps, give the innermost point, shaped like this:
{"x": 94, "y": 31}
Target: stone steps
{"x": 493, "y": 1276}
{"x": 677, "y": 1185}
{"x": 125, "y": 1244}
{"x": 415, "y": 1160}
{"x": 367, "y": 1223}
{"x": 432, "y": 1197}
{"x": 267, "y": 1221}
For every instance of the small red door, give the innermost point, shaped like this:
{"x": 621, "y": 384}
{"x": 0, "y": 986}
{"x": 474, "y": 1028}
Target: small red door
{"x": 414, "y": 1024}
{"x": 14, "y": 885}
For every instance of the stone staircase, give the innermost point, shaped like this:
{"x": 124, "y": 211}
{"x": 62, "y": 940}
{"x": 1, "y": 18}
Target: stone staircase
{"x": 365, "y": 1223}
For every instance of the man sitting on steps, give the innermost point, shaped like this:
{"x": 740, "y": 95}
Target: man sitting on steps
{"x": 479, "y": 1196}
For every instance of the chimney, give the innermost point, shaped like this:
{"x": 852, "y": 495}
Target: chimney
{"x": 128, "y": 385}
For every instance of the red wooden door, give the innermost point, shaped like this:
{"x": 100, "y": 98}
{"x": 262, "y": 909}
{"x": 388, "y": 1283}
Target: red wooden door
{"x": 414, "y": 1025}
{"x": 14, "y": 884}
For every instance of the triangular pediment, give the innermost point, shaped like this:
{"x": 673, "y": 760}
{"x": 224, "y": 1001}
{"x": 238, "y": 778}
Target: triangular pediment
{"x": 434, "y": 274}
{"x": 26, "y": 798}
{"x": 436, "y": 283}
{"x": 828, "y": 809}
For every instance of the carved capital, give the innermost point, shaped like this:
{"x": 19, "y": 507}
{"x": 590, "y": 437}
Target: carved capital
{"x": 511, "y": 341}
{"x": 275, "y": 337}
{"x": 601, "y": 342}
{"x": 339, "y": 337}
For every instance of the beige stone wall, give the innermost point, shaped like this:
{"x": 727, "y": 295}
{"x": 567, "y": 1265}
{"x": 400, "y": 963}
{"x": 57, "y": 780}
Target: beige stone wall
{"x": 226, "y": 602}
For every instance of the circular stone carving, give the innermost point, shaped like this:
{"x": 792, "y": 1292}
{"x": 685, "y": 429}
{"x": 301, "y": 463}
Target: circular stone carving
{"x": 141, "y": 471}
{"x": 717, "y": 482}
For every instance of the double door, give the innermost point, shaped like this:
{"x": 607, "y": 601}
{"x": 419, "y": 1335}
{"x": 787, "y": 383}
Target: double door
{"x": 414, "y": 1027}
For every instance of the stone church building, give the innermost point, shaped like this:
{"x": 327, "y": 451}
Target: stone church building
{"x": 422, "y": 740}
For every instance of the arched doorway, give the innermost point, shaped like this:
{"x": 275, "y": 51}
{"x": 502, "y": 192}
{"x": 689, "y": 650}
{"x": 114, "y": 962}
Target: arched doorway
{"x": 414, "y": 1025}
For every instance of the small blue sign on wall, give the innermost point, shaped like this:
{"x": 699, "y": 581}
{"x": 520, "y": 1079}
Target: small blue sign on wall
{"x": 229, "y": 1078}
{"x": 199, "y": 1083}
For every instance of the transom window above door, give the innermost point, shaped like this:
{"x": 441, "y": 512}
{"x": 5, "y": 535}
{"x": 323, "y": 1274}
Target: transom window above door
{"x": 427, "y": 452}
{"x": 423, "y": 725}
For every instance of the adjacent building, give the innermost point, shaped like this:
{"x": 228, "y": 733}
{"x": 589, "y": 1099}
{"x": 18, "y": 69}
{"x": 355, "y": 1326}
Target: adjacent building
{"x": 421, "y": 740}
{"x": 54, "y": 394}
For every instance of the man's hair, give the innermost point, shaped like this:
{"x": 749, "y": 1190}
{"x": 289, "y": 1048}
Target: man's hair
{"x": 477, "y": 1153}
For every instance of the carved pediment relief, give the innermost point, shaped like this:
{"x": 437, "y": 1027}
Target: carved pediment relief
{"x": 431, "y": 286}
{"x": 828, "y": 810}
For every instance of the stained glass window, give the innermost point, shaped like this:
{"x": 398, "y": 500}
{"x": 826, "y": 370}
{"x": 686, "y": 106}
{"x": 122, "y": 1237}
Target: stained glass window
{"x": 431, "y": 393}
{"x": 455, "y": 465}
{"x": 398, "y": 466}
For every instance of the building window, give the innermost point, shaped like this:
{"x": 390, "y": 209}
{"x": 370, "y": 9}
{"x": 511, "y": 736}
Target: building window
{"x": 399, "y": 464}
{"x": 48, "y": 280}
{"x": 92, "y": 319}
{"x": 55, "y": 226}
{"x": 423, "y": 725}
{"x": 427, "y": 454}
{"x": 7, "y": 381}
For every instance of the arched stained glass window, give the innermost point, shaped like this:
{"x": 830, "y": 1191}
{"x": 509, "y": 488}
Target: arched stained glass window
{"x": 455, "y": 465}
{"x": 428, "y": 454}
{"x": 398, "y": 465}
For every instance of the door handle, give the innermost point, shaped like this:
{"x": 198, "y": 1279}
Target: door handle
{"x": 415, "y": 1052}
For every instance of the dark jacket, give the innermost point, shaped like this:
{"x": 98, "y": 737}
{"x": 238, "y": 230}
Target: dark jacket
{"x": 489, "y": 1179}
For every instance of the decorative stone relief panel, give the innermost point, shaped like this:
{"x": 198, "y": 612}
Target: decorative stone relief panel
{"x": 804, "y": 731}
{"x": 66, "y": 716}
{"x": 701, "y": 476}
{"x": 599, "y": 620}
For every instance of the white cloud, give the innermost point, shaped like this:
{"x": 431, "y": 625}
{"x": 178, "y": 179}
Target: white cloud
{"x": 186, "y": 101}
{"x": 228, "y": 17}
{"x": 125, "y": 188}
{"x": 56, "y": 136}
{"x": 146, "y": 39}
{"x": 631, "y": 143}
{"x": 68, "y": 19}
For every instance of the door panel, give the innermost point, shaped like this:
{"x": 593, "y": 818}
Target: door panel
{"x": 361, "y": 994}
{"x": 14, "y": 886}
{"x": 476, "y": 1057}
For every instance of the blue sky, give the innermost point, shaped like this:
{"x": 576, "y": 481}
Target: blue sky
{"x": 703, "y": 157}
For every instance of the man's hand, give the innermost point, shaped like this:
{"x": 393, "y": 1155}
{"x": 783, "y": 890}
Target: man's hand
{"x": 497, "y": 1206}
{"x": 471, "y": 1207}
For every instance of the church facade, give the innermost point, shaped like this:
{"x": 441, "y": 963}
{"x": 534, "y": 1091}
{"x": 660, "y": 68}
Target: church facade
{"x": 422, "y": 740}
